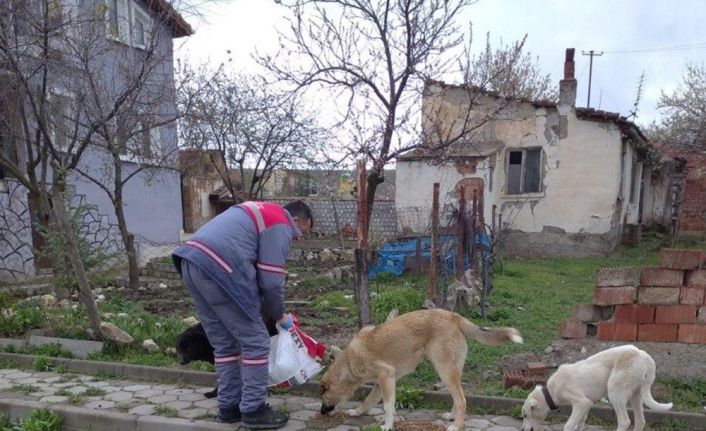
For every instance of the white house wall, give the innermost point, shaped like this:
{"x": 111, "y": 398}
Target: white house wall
{"x": 582, "y": 197}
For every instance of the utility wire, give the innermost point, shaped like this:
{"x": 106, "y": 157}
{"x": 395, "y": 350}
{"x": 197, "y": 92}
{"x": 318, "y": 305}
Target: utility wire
{"x": 700, "y": 45}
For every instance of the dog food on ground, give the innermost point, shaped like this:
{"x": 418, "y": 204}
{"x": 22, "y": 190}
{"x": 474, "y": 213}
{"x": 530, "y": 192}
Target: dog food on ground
{"x": 327, "y": 421}
{"x": 418, "y": 426}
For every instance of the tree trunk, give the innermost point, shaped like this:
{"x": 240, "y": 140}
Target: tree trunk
{"x": 433, "y": 261}
{"x": 84, "y": 287}
{"x": 40, "y": 215}
{"x": 362, "y": 293}
{"x": 133, "y": 268}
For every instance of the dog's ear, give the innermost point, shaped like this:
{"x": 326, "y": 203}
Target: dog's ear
{"x": 331, "y": 354}
{"x": 335, "y": 351}
{"x": 531, "y": 403}
{"x": 393, "y": 313}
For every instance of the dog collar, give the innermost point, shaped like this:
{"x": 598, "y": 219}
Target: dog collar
{"x": 548, "y": 399}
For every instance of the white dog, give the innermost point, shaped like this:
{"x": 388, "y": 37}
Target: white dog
{"x": 623, "y": 374}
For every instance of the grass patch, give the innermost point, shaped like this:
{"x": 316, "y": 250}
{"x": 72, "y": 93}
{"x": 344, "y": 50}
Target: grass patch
{"x": 21, "y": 317}
{"x": 25, "y": 389}
{"x": 316, "y": 282}
{"x": 408, "y": 398}
{"x": 94, "y": 392}
{"x": 165, "y": 411}
{"x": 76, "y": 399}
{"x": 38, "y": 420}
{"x": 8, "y": 363}
{"x": 406, "y": 295}
{"x": 45, "y": 364}
{"x": 333, "y": 302}
{"x": 62, "y": 392}
{"x": 54, "y": 350}
{"x": 686, "y": 395}
{"x": 123, "y": 408}
{"x": 533, "y": 295}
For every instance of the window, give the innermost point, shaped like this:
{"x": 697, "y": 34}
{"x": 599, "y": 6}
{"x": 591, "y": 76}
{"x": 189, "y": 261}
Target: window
{"x": 127, "y": 22}
{"x": 140, "y": 27}
{"x": 113, "y": 16}
{"x": 524, "y": 171}
{"x": 23, "y": 16}
{"x": 55, "y": 14}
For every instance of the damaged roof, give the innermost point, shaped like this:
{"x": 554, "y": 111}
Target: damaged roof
{"x": 591, "y": 114}
{"x": 176, "y": 23}
{"x": 588, "y": 114}
{"x": 544, "y": 103}
{"x": 460, "y": 149}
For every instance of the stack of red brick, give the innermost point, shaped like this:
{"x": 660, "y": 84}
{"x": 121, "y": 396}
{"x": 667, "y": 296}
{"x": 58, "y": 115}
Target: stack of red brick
{"x": 668, "y": 305}
{"x": 535, "y": 373}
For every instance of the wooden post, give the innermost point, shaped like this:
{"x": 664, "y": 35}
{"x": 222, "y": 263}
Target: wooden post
{"x": 418, "y": 261}
{"x": 474, "y": 232}
{"x": 339, "y": 232}
{"x": 492, "y": 223}
{"x": 431, "y": 294}
{"x": 362, "y": 295}
{"x": 461, "y": 230}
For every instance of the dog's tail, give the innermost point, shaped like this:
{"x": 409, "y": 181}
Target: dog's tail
{"x": 492, "y": 336}
{"x": 646, "y": 395}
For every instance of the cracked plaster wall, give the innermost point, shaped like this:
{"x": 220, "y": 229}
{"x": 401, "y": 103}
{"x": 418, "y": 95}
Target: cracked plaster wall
{"x": 583, "y": 202}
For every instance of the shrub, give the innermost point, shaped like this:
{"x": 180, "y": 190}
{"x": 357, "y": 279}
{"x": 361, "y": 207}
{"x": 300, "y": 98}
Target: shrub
{"x": 405, "y": 299}
{"x": 95, "y": 259}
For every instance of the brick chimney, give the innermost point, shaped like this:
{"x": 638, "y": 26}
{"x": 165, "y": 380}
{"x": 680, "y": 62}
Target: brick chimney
{"x": 567, "y": 86}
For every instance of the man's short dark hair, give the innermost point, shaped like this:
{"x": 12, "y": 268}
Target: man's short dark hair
{"x": 300, "y": 209}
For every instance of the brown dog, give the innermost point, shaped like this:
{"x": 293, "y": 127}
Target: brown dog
{"x": 383, "y": 354}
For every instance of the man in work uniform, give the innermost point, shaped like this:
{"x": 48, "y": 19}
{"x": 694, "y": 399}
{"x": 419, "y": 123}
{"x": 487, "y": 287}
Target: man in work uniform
{"x": 234, "y": 269}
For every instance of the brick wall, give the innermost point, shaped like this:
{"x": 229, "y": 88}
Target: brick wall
{"x": 692, "y": 217}
{"x": 664, "y": 304}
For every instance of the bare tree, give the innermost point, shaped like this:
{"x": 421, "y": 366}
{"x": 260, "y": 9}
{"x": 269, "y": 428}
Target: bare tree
{"x": 70, "y": 94}
{"x": 509, "y": 71}
{"x": 253, "y": 129}
{"x": 134, "y": 145}
{"x": 376, "y": 57}
{"x": 684, "y": 120}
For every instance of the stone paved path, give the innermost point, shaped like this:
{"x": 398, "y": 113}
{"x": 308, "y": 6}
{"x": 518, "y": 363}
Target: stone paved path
{"x": 144, "y": 398}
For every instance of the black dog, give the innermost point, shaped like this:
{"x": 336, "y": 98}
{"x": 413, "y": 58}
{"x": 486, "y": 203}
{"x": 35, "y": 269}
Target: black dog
{"x": 193, "y": 345}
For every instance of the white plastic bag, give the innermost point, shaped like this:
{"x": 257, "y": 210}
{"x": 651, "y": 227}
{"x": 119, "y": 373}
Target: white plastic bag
{"x": 289, "y": 360}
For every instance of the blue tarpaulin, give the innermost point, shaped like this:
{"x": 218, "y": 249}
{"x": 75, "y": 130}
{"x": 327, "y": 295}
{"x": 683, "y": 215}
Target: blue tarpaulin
{"x": 391, "y": 256}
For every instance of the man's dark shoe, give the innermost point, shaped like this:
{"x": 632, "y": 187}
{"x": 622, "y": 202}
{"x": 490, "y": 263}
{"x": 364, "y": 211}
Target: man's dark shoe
{"x": 229, "y": 415}
{"x": 264, "y": 418}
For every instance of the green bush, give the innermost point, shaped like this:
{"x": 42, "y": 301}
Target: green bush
{"x": 22, "y": 317}
{"x": 405, "y": 299}
{"x": 5, "y": 299}
{"x": 408, "y": 398}
{"x": 54, "y": 350}
{"x": 95, "y": 259}
{"x": 39, "y": 420}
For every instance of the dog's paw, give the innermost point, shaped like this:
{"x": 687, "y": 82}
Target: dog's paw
{"x": 451, "y": 428}
{"x": 448, "y": 416}
{"x": 353, "y": 413}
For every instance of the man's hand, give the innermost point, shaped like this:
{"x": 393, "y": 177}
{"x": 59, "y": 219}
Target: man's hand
{"x": 286, "y": 321}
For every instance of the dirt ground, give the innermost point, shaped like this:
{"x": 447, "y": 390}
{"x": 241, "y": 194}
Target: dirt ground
{"x": 304, "y": 284}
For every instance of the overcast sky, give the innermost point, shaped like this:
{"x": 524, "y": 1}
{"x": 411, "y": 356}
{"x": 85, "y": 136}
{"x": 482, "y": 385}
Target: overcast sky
{"x": 660, "y": 35}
